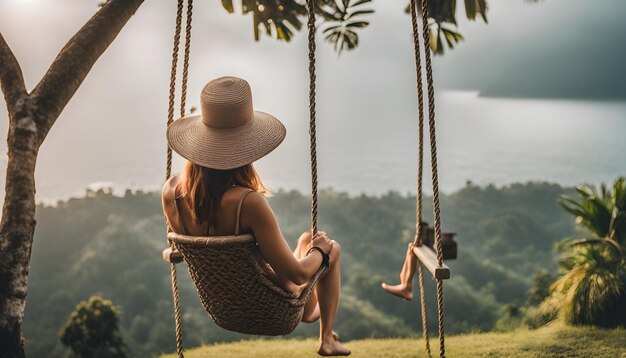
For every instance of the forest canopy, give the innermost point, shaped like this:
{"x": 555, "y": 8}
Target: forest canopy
{"x": 111, "y": 246}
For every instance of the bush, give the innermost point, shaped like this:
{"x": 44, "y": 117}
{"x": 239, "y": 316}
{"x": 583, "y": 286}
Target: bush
{"x": 92, "y": 330}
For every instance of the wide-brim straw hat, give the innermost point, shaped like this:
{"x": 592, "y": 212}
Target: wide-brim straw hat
{"x": 228, "y": 133}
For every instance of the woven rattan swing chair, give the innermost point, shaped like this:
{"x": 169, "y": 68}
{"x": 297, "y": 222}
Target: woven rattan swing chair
{"x": 233, "y": 288}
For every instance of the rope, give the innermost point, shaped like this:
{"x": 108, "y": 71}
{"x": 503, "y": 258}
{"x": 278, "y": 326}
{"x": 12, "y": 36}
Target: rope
{"x": 442, "y": 343}
{"x": 177, "y": 315}
{"x": 183, "y": 95}
{"x": 420, "y": 168}
{"x": 420, "y": 272}
{"x": 170, "y": 119}
{"x": 435, "y": 175}
{"x": 312, "y": 114}
{"x": 170, "y": 109}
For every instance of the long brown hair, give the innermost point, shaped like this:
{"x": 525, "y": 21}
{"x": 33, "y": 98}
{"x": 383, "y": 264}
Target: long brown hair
{"x": 204, "y": 187}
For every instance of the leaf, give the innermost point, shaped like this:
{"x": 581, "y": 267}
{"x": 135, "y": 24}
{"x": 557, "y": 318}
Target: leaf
{"x": 282, "y": 31}
{"x": 341, "y": 23}
{"x": 256, "y": 27}
{"x": 474, "y": 8}
{"x": 247, "y": 6}
{"x": 360, "y": 2}
{"x": 358, "y": 24}
{"x": 228, "y": 5}
{"x": 332, "y": 28}
{"x": 359, "y": 13}
{"x": 483, "y": 9}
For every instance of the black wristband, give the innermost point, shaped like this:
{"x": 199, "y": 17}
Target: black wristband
{"x": 325, "y": 256}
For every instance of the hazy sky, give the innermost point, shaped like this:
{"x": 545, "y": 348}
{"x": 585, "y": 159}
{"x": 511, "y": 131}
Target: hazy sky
{"x": 117, "y": 118}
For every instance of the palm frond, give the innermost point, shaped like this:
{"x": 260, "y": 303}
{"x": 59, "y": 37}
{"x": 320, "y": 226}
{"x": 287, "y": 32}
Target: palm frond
{"x": 591, "y": 211}
{"x": 279, "y": 19}
{"x": 602, "y": 241}
{"x": 342, "y": 18}
{"x": 476, "y": 7}
{"x": 592, "y": 286}
{"x": 228, "y": 5}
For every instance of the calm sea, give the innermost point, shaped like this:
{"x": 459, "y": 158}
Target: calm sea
{"x": 485, "y": 140}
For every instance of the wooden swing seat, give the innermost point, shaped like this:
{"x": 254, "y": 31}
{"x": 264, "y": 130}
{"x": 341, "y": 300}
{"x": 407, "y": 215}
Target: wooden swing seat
{"x": 429, "y": 259}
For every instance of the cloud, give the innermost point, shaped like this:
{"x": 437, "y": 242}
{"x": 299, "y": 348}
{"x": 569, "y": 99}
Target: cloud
{"x": 552, "y": 49}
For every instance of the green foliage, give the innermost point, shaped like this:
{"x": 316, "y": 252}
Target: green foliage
{"x": 443, "y": 14}
{"x": 592, "y": 287}
{"x": 540, "y": 288}
{"x": 511, "y": 318}
{"x": 92, "y": 330}
{"x": 279, "y": 17}
{"x": 111, "y": 246}
{"x": 342, "y": 19}
{"x": 443, "y": 24}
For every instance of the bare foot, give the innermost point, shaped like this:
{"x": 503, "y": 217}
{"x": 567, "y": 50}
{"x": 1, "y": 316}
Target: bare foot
{"x": 332, "y": 347}
{"x": 336, "y": 336}
{"x": 399, "y": 290}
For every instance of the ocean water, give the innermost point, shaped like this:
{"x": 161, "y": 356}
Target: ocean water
{"x": 483, "y": 140}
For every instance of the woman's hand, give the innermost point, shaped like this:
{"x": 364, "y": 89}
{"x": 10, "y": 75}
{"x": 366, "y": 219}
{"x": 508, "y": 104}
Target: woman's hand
{"x": 322, "y": 241}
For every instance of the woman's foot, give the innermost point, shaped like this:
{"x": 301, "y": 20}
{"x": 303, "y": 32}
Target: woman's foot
{"x": 400, "y": 290}
{"x": 332, "y": 347}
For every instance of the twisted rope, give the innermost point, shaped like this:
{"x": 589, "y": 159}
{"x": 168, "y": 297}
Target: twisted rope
{"x": 183, "y": 95}
{"x": 433, "y": 140}
{"x": 168, "y": 165}
{"x": 435, "y": 175}
{"x": 312, "y": 114}
{"x": 420, "y": 275}
{"x": 172, "y": 95}
{"x": 420, "y": 168}
{"x": 177, "y": 314}
{"x": 442, "y": 343}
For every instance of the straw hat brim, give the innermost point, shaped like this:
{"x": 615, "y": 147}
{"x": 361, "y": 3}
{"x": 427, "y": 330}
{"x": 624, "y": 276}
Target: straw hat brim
{"x": 225, "y": 148}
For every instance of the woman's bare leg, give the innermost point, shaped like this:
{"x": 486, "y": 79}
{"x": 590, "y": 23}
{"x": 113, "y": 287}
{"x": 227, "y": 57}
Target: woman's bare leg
{"x": 405, "y": 288}
{"x": 311, "y": 308}
{"x": 328, "y": 299}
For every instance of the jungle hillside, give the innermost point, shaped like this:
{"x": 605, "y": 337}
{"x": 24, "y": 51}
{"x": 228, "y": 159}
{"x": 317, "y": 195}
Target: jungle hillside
{"x": 108, "y": 245}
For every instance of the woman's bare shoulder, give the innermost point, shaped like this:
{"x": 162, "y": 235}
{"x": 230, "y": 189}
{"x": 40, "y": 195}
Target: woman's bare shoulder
{"x": 255, "y": 206}
{"x": 256, "y": 200}
{"x": 169, "y": 188}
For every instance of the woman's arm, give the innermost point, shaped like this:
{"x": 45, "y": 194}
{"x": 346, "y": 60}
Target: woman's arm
{"x": 257, "y": 214}
{"x": 167, "y": 198}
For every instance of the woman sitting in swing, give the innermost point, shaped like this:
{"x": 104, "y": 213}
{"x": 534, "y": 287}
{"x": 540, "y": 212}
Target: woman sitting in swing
{"x": 220, "y": 189}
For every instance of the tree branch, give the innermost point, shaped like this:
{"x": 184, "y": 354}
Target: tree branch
{"x": 76, "y": 59}
{"x": 11, "y": 77}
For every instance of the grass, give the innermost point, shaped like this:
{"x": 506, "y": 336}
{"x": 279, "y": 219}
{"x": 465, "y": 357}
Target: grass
{"x": 555, "y": 340}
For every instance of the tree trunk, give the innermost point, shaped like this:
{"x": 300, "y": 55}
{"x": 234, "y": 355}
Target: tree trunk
{"x": 30, "y": 118}
{"x": 16, "y": 230}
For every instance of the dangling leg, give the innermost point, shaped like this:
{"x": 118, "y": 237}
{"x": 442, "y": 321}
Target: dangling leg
{"x": 328, "y": 299}
{"x": 312, "y": 308}
{"x": 405, "y": 288}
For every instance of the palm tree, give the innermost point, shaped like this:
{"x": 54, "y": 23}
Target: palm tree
{"x": 592, "y": 287}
